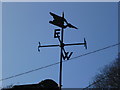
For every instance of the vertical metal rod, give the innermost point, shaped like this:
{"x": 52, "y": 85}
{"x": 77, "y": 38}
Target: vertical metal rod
{"x": 60, "y": 80}
{"x": 61, "y": 55}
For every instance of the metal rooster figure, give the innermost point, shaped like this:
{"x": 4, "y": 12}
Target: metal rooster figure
{"x": 59, "y": 21}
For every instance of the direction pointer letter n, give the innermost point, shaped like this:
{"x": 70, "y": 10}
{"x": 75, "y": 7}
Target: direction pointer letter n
{"x": 56, "y": 33}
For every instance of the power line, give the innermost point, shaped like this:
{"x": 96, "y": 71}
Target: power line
{"x": 93, "y": 83}
{"x": 96, "y": 51}
{"x": 29, "y": 71}
{"x": 58, "y": 62}
{"x": 105, "y": 76}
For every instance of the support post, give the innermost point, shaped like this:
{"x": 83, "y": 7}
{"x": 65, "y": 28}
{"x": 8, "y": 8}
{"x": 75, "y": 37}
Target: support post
{"x": 61, "y": 55}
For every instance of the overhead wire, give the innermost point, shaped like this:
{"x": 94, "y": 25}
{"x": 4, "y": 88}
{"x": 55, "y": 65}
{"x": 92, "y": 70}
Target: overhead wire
{"x": 96, "y": 51}
{"x": 93, "y": 83}
{"x": 58, "y": 62}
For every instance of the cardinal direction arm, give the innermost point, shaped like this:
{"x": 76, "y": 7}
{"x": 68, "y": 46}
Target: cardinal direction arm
{"x": 56, "y": 33}
{"x": 39, "y": 47}
{"x": 85, "y": 44}
{"x": 49, "y": 46}
{"x": 66, "y": 55}
{"x": 69, "y": 55}
{"x": 74, "y": 44}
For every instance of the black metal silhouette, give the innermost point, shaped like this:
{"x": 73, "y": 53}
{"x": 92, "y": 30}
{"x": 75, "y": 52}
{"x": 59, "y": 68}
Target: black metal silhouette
{"x": 59, "y": 21}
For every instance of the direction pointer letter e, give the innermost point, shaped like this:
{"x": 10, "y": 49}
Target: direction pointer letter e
{"x": 56, "y": 33}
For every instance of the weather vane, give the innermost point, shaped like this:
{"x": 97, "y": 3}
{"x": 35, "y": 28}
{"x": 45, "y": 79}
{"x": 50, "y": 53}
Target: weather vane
{"x": 64, "y": 55}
